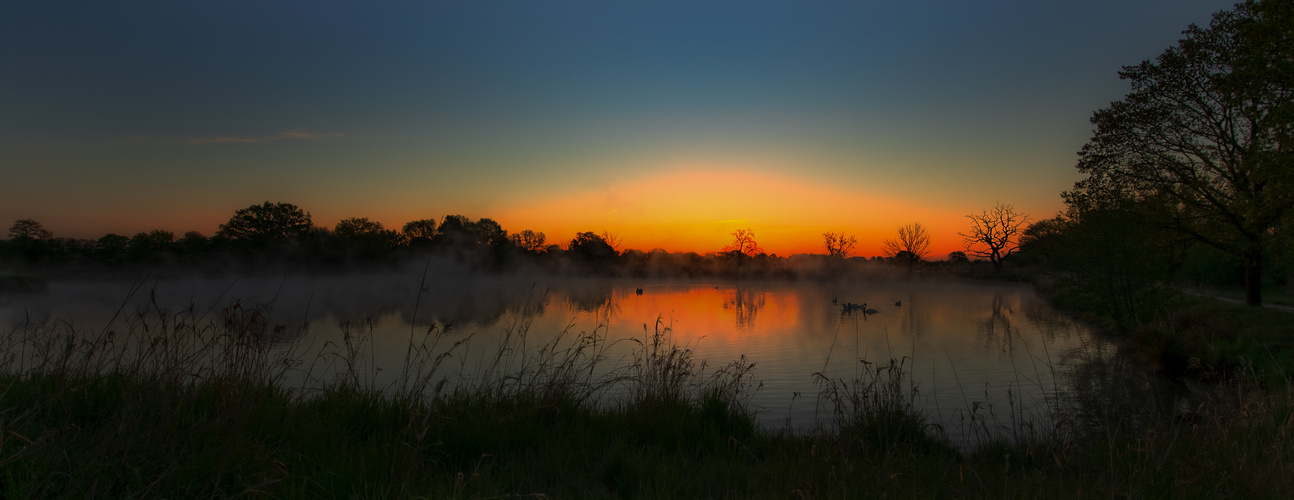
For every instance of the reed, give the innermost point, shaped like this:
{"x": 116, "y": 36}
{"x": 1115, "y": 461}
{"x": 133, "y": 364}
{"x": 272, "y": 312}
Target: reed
{"x": 219, "y": 402}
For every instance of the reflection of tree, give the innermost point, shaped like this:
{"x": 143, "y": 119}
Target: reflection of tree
{"x": 914, "y": 320}
{"x": 745, "y": 305}
{"x": 590, "y": 299}
{"x": 1050, "y": 322}
{"x": 998, "y": 333}
{"x": 1108, "y": 388}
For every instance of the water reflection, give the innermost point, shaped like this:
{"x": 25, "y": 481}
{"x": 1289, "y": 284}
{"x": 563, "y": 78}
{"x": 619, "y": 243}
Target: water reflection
{"x": 997, "y": 327}
{"x": 744, "y": 305}
{"x": 971, "y": 347}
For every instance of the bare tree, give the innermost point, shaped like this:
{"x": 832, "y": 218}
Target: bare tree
{"x": 912, "y": 246}
{"x": 839, "y": 245}
{"x": 743, "y": 247}
{"x": 995, "y": 233}
{"x": 744, "y": 243}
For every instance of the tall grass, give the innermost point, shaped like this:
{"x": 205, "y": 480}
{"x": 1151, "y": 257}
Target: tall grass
{"x": 223, "y": 403}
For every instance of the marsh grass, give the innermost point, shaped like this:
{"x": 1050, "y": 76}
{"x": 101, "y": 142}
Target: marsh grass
{"x": 201, "y": 403}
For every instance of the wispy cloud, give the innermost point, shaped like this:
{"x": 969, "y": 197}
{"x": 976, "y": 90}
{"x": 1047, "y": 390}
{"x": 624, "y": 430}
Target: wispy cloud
{"x": 288, "y": 135}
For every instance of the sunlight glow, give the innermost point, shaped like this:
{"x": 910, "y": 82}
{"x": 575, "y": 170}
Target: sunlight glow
{"x": 696, "y": 207}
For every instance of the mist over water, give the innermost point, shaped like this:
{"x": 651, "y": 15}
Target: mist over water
{"x": 993, "y": 349}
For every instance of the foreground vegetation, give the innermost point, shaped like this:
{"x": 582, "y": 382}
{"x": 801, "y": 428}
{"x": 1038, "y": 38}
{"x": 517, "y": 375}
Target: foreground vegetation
{"x": 182, "y": 404}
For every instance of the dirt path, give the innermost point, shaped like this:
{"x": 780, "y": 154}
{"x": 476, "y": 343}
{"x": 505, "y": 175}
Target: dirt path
{"x": 1277, "y": 307}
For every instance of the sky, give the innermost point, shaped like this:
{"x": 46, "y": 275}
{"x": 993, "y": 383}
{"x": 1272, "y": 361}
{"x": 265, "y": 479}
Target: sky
{"x": 667, "y": 124}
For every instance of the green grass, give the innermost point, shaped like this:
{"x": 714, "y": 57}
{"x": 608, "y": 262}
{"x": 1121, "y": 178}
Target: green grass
{"x": 188, "y": 408}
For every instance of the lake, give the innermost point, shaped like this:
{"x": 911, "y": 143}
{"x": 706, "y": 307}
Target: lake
{"x": 972, "y": 349}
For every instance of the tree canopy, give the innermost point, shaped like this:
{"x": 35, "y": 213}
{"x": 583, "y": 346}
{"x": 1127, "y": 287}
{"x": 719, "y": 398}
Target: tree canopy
{"x": 265, "y": 224}
{"x": 28, "y": 229}
{"x": 593, "y": 248}
{"x": 1202, "y": 143}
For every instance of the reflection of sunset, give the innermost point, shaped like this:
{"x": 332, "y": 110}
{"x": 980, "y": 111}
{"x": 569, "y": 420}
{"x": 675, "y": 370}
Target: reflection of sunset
{"x": 726, "y": 313}
{"x": 695, "y": 207}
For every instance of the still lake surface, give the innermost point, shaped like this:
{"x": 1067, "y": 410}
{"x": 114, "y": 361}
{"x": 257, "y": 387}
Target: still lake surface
{"x": 997, "y": 350}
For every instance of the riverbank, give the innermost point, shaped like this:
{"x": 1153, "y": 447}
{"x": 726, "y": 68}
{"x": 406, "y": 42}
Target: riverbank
{"x": 199, "y": 413}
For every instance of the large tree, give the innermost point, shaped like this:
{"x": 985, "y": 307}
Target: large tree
{"x": 265, "y": 224}
{"x": 28, "y": 229}
{"x": 421, "y": 229}
{"x": 1203, "y": 141}
{"x": 367, "y": 238}
{"x": 592, "y": 248}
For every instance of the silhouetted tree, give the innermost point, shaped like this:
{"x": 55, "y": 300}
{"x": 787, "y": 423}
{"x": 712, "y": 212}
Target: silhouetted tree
{"x": 529, "y": 241}
{"x": 266, "y": 224}
{"x": 995, "y": 233}
{"x": 1039, "y": 241}
{"x": 489, "y": 233}
{"x": 150, "y": 246}
{"x": 419, "y": 232}
{"x": 744, "y": 242}
{"x": 29, "y": 240}
{"x": 1205, "y": 140}
{"x": 912, "y": 246}
{"x": 455, "y": 231}
{"x": 592, "y": 248}
{"x": 192, "y": 244}
{"x": 839, "y": 245}
{"x": 742, "y": 248}
{"x": 365, "y": 238}
{"x": 1109, "y": 258}
{"x": 28, "y": 229}
{"x": 111, "y": 248}
{"x": 958, "y": 257}
{"x": 611, "y": 239}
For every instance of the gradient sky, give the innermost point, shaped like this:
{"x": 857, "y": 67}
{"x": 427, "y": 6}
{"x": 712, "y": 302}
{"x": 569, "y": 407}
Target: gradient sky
{"x": 669, "y": 124}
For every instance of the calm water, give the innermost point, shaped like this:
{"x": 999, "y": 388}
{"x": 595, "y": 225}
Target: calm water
{"x": 967, "y": 344}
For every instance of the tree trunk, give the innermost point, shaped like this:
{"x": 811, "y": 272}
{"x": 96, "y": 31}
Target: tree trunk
{"x": 1254, "y": 279}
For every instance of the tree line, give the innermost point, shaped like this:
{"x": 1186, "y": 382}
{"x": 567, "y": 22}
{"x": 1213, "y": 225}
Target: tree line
{"x": 272, "y": 232}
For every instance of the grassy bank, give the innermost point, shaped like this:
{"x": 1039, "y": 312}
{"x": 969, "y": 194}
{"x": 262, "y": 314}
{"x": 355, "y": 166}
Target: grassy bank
{"x": 189, "y": 405}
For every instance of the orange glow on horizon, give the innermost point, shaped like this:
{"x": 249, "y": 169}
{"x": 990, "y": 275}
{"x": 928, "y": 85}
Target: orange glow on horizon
{"x": 695, "y": 208}
{"x": 692, "y": 309}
